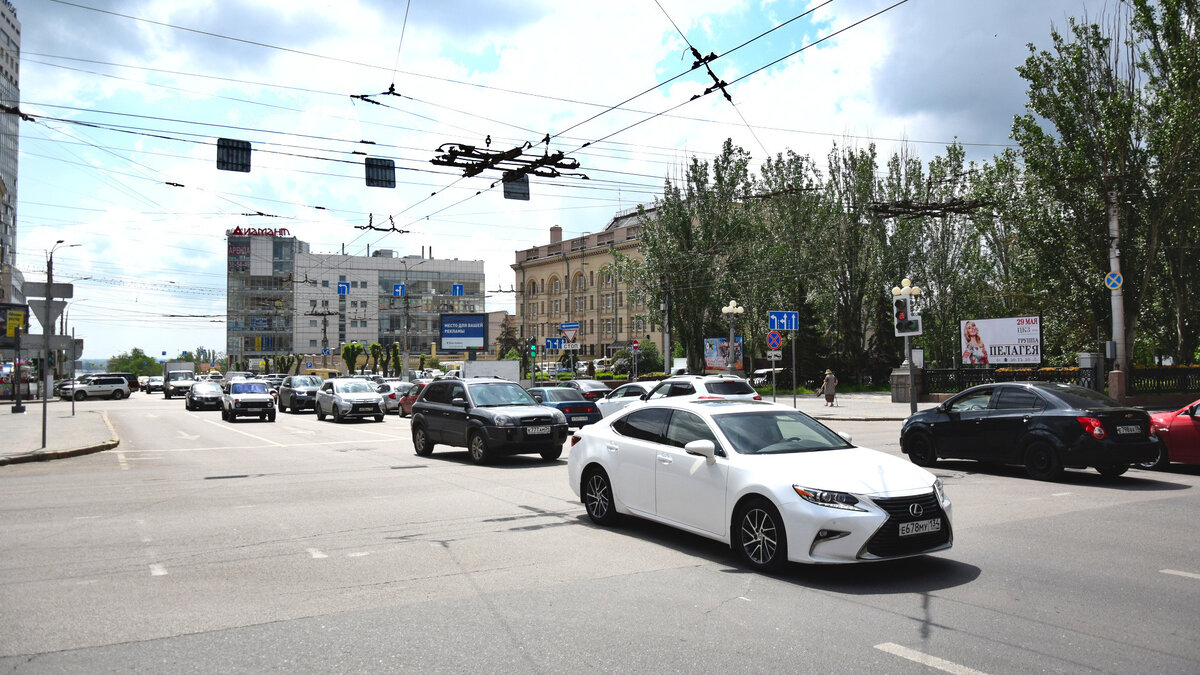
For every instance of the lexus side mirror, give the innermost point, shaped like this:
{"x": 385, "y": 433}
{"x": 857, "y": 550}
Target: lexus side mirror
{"x": 704, "y": 449}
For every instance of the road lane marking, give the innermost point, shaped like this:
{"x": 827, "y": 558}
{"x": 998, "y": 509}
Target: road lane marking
{"x": 273, "y": 445}
{"x": 230, "y": 427}
{"x": 186, "y": 436}
{"x": 926, "y": 660}
{"x": 358, "y": 554}
{"x": 85, "y": 517}
{"x": 157, "y": 570}
{"x": 1189, "y": 575}
{"x": 316, "y": 554}
{"x": 1061, "y": 494}
{"x": 121, "y": 460}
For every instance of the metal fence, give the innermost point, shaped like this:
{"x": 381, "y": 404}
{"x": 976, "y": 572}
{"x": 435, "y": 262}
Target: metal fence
{"x": 1163, "y": 380}
{"x": 952, "y": 380}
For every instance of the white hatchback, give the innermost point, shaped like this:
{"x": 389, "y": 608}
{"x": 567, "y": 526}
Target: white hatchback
{"x": 770, "y": 481}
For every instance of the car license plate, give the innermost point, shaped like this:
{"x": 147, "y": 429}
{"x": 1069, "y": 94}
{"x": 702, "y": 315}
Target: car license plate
{"x": 536, "y": 431}
{"x": 921, "y": 527}
{"x": 579, "y": 418}
{"x": 1129, "y": 430}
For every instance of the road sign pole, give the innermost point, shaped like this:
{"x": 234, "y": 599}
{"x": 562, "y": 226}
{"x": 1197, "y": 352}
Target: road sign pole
{"x": 793, "y": 369}
{"x": 774, "y": 388}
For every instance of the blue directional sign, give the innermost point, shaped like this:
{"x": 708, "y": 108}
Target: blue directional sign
{"x": 783, "y": 320}
{"x": 343, "y": 288}
{"x": 326, "y": 352}
{"x": 569, "y": 325}
{"x": 554, "y": 343}
{"x": 398, "y": 290}
{"x": 456, "y": 289}
{"x": 1113, "y": 280}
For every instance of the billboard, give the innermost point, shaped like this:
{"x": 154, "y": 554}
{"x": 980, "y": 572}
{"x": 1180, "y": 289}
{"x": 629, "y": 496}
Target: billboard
{"x": 463, "y": 332}
{"x": 716, "y": 353}
{"x": 13, "y": 318}
{"x": 998, "y": 342}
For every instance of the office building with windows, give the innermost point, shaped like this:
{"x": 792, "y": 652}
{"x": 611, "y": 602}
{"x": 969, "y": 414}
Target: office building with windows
{"x": 284, "y": 299}
{"x": 573, "y": 281}
{"x": 10, "y": 95}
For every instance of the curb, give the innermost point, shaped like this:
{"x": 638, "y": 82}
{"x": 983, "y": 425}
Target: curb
{"x": 46, "y": 455}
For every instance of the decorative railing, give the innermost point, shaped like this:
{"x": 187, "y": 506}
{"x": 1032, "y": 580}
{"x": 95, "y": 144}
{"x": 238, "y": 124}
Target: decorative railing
{"x": 952, "y": 380}
{"x": 1164, "y": 380}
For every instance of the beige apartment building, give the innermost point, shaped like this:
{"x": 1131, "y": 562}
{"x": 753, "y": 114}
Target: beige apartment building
{"x": 573, "y": 281}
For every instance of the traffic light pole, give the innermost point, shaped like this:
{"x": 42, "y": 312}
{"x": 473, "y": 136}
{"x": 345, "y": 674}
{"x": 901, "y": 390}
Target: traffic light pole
{"x": 912, "y": 379}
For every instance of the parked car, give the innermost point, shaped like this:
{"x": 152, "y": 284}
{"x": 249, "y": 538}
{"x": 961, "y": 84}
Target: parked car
{"x": 579, "y": 411}
{"x": 1179, "y": 432}
{"x": 131, "y": 380}
{"x": 770, "y": 481}
{"x": 247, "y": 398}
{"x": 97, "y": 386}
{"x": 487, "y": 416}
{"x": 392, "y": 391}
{"x": 591, "y": 389}
{"x": 203, "y": 395}
{"x": 1045, "y": 426}
{"x": 704, "y": 387}
{"x": 298, "y": 392}
{"x": 346, "y": 397}
{"x": 622, "y": 396}
{"x": 153, "y": 383}
{"x": 410, "y": 397}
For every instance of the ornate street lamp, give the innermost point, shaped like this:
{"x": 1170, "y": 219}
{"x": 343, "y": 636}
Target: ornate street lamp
{"x": 732, "y": 310}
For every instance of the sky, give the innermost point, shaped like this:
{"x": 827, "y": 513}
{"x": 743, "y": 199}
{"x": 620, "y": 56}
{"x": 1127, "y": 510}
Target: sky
{"x": 129, "y": 96}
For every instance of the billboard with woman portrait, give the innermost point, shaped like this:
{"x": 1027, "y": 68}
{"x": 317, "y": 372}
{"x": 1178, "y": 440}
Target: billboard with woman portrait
{"x": 995, "y": 342}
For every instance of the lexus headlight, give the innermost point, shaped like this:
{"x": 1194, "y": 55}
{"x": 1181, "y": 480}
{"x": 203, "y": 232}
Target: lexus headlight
{"x": 834, "y": 500}
{"x": 939, "y": 490}
{"x": 505, "y": 421}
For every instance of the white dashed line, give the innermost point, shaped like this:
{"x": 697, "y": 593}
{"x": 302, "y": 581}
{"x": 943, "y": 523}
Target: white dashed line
{"x": 358, "y": 554}
{"x": 316, "y": 553}
{"x": 926, "y": 660}
{"x": 158, "y": 570}
{"x": 1177, "y": 573}
{"x": 1062, "y": 494}
{"x": 121, "y": 460}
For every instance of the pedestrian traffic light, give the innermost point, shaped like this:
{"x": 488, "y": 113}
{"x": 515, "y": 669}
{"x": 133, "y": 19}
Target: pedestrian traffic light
{"x": 904, "y": 321}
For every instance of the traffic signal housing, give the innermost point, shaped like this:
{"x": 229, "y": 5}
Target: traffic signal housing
{"x": 532, "y": 350}
{"x": 905, "y": 322}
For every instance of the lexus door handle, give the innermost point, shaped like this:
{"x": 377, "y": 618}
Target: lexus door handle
{"x": 665, "y": 459}
{"x": 611, "y": 447}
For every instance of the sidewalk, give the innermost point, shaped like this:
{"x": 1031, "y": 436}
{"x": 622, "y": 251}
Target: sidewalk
{"x": 875, "y": 406}
{"x": 66, "y": 435}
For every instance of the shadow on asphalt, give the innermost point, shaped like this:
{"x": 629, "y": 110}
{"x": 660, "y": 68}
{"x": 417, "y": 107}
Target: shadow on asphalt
{"x": 1135, "y": 480}
{"x": 919, "y": 574}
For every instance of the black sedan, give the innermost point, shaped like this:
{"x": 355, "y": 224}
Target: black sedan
{"x": 1044, "y": 426}
{"x": 203, "y": 395}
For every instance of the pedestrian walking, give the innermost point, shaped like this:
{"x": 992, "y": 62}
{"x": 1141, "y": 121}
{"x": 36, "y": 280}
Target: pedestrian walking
{"x": 829, "y": 388}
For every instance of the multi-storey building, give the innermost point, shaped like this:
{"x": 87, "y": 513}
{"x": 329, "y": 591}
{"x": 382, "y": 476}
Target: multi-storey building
{"x": 284, "y": 299}
{"x": 573, "y": 281}
{"x": 10, "y": 95}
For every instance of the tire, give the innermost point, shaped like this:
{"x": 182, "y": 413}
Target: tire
{"x": 187, "y": 405}
{"x": 167, "y": 394}
{"x": 1159, "y": 463}
{"x": 552, "y": 454}
{"x": 337, "y": 414}
{"x": 224, "y": 415}
{"x": 759, "y": 537}
{"x": 478, "y": 447}
{"x": 379, "y": 418}
{"x": 320, "y": 413}
{"x": 421, "y": 441}
{"x": 116, "y": 395}
{"x": 920, "y": 449}
{"x": 1112, "y": 470}
{"x": 1042, "y": 461}
{"x": 271, "y": 416}
{"x": 597, "y": 497}
{"x": 282, "y": 407}
{"x": 80, "y": 395}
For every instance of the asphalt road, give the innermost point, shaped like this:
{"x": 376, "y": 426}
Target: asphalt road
{"x": 302, "y": 546}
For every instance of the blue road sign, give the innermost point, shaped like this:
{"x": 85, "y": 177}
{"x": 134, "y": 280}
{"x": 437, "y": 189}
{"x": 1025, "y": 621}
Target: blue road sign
{"x": 308, "y": 364}
{"x": 774, "y": 340}
{"x": 783, "y": 320}
{"x": 456, "y": 289}
{"x": 1113, "y": 280}
{"x": 569, "y": 325}
{"x": 555, "y": 343}
{"x": 343, "y": 288}
{"x": 398, "y": 290}
{"x": 326, "y": 352}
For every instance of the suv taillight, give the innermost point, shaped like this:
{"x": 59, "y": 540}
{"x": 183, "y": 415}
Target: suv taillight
{"x": 1092, "y": 426}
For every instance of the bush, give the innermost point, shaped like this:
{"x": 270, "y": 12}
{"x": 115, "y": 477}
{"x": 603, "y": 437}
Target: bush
{"x": 604, "y": 376}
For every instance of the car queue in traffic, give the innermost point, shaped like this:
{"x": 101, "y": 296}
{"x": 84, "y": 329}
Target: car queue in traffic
{"x": 707, "y": 455}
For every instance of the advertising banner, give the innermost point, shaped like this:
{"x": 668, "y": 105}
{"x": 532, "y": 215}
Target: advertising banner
{"x": 463, "y": 332}
{"x": 998, "y": 342}
{"x": 13, "y": 318}
{"x": 716, "y": 353}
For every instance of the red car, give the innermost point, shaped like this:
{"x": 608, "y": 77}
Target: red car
{"x": 410, "y": 397}
{"x": 1180, "y": 434}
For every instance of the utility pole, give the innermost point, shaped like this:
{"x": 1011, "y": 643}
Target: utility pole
{"x": 1114, "y": 266}
{"x": 668, "y": 361}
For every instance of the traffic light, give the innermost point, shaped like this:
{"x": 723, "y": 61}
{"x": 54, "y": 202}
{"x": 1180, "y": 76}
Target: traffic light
{"x": 532, "y": 350}
{"x": 903, "y": 319}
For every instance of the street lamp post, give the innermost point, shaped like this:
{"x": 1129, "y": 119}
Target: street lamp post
{"x": 731, "y": 311}
{"x": 906, "y": 288}
{"x": 47, "y": 330}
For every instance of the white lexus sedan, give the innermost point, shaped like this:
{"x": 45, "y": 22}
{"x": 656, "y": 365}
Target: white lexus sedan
{"x": 770, "y": 481}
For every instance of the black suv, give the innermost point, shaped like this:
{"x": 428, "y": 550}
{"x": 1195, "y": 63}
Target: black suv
{"x": 489, "y": 417}
{"x": 298, "y": 392}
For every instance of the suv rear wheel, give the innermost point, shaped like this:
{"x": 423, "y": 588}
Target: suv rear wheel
{"x": 80, "y": 395}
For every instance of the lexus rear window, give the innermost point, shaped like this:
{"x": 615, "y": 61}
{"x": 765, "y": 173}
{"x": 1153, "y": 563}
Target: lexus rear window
{"x": 730, "y": 387}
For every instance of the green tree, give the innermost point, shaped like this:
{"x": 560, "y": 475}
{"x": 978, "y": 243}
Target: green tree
{"x": 376, "y": 351}
{"x": 350, "y": 354}
{"x": 394, "y": 353}
{"x": 507, "y": 340}
{"x": 134, "y": 361}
